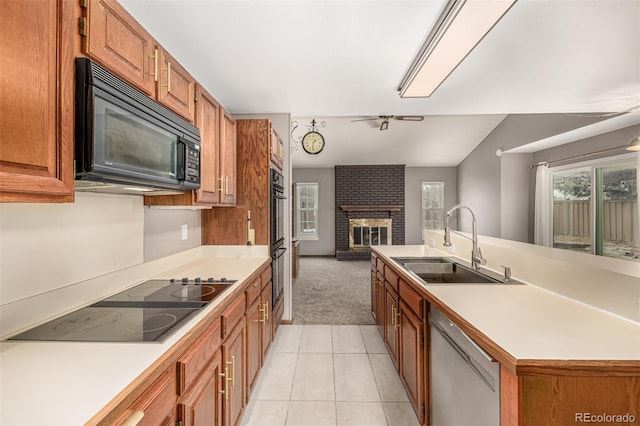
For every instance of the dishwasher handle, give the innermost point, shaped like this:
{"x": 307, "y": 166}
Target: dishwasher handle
{"x": 465, "y": 356}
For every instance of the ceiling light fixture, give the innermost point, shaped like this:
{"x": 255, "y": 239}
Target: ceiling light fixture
{"x": 460, "y": 27}
{"x": 634, "y": 145}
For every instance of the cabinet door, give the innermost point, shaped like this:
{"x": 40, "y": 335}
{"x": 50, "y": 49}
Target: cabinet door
{"x": 267, "y": 322}
{"x": 208, "y": 121}
{"x": 36, "y": 101}
{"x": 116, "y": 41}
{"x": 374, "y": 296}
{"x": 411, "y": 355}
{"x": 381, "y": 294}
{"x": 391, "y": 323}
{"x": 254, "y": 318}
{"x": 227, "y": 158}
{"x": 202, "y": 406}
{"x": 176, "y": 88}
{"x": 233, "y": 356}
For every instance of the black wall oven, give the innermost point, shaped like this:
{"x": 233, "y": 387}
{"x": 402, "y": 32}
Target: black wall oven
{"x": 277, "y": 246}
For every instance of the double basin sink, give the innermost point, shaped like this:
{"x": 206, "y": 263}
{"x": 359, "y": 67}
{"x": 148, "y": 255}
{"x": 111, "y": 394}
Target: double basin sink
{"x": 444, "y": 270}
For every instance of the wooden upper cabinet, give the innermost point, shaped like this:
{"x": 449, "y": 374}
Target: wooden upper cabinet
{"x": 37, "y": 72}
{"x": 228, "y": 155}
{"x": 115, "y": 40}
{"x": 176, "y": 88}
{"x": 217, "y": 158}
{"x": 208, "y": 121}
{"x": 118, "y": 42}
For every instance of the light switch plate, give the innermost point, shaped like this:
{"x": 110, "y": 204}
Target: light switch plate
{"x": 452, "y": 249}
{"x": 185, "y": 231}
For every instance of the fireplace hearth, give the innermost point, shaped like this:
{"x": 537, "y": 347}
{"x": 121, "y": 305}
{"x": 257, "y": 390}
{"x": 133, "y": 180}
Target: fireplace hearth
{"x": 369, "y": 232}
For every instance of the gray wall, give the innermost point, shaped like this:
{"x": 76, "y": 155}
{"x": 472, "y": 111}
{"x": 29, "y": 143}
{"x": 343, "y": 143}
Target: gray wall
{"x": 325, "y": 177}
{"x": 414, "y": 176}
{"x": 480, "y": 173}
{"x": 515, "y": 221}
{"x": 163, "y": 231}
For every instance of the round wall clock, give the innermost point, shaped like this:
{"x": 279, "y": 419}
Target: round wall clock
{"x": 313, "y": 142}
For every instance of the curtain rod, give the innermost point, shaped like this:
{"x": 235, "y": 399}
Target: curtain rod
{"x": 590, "y": 154}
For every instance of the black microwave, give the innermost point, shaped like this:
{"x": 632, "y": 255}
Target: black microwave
{"x": 125, "y": 142}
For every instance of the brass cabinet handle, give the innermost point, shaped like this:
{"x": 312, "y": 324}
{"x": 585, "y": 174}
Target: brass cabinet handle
{"x": 393, "y": 315}
{"x": 266, "y": 311}
{"x": 261, "y": 310}
{"x": 169, "y": 77}
{"x": 168, "y": 70}
{"x": 224, "y": 391}
{"x": 226, "y": 187}
{"x": 397, "y": 317}
{"x": 221, "y": 189}
{"x": 155, "y": 64}
{"x": 232, "y": 363}
{"x": 134, "y": 418}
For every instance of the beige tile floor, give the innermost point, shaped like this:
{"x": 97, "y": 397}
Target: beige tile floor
{"x": 318, "y": 375}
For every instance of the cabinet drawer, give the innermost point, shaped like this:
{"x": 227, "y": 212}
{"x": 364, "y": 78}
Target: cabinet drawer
{"x": 193, "y": 362}
{"x": 265, "y": 276}
{"x": 374, "y": 261}
{"x": 253, "y": 291}
{"x": 233, "y": 316}
{"x": 380, "y": 265}
{"x": 411, "y": 298}
{"x": 391, "y": 277}
{"x": 157, "y": 404}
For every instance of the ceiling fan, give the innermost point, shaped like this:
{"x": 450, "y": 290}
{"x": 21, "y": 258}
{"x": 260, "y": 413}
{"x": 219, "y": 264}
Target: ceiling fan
{"x": 384, "y": 125}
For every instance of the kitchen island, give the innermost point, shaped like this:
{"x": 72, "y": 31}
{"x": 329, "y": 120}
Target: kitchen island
{"x": 75, "y": 383}
{"x": 559, "y": 357}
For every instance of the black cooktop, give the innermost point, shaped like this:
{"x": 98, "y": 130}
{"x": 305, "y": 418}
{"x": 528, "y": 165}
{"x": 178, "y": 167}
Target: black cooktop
{"x": 148, "y": 312}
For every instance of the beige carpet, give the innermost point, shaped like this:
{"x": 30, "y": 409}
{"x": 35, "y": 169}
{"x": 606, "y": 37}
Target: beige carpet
{"x": 331, "y": 292}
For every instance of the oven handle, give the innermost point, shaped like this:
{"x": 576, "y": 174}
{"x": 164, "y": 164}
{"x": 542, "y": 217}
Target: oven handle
{"x": 277, "y": 253}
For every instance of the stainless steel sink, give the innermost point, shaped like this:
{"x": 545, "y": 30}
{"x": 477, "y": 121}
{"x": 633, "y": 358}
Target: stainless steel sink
{"x": 442, "y": 270}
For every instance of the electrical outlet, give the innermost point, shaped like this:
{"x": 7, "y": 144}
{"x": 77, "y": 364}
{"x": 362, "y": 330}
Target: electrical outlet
{"x": 432, "y": 243}
{"x": 452, "y": 249}
{"x": 185, "y": 231}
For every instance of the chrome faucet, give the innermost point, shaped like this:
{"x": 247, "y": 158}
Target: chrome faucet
{"x": 476, "y": 254}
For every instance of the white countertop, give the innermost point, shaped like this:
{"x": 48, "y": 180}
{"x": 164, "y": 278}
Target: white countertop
{"x": 531, "y": 323}
{"x": 67, "y": 383}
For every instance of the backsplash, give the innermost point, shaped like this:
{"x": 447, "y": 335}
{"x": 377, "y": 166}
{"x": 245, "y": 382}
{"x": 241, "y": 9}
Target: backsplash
{"x": 46, "y": 249}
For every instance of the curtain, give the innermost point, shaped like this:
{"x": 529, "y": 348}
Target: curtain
{"x": 543, "y": 211}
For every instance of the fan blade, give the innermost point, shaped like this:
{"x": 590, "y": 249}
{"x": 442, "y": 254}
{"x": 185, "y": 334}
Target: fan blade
{"x": 409, "y": 117}
{"x": 365, "y": 119}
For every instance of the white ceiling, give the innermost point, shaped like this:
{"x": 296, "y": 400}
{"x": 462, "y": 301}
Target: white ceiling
{"x": 335, "y": 60}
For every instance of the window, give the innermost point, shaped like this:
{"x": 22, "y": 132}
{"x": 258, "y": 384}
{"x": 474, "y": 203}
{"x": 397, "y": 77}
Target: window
{"x": 432, "y": 206}
{"x": 595, "y": 207}
{"x": 307, "y": 205}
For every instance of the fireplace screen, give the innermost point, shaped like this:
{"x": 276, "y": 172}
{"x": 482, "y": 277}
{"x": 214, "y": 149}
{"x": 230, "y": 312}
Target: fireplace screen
{"x": 369, "y": 232}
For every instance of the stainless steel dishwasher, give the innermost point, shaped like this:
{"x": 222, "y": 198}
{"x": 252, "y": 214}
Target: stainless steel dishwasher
{"x": 465, "y": 381}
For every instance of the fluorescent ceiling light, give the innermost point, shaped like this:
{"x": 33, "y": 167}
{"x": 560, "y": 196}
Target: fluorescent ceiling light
{"x": 458, "y": 30}
{"x": 634, "y": 145}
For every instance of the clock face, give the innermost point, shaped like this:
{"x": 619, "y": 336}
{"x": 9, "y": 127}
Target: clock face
{"x": 313, "y": 142}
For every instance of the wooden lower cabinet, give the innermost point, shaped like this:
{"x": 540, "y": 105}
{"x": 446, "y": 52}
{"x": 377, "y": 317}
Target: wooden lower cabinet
{"x": 259, "y": 320}
{"x": 391, "y": 323}
{"x": 233, "y": 350}
{"x": 412, "y": 358}
{"x": 202, "y": 405}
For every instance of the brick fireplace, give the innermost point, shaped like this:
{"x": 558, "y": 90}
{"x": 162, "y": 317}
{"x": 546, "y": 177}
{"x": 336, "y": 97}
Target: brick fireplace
{"x": 368, "y": 192}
